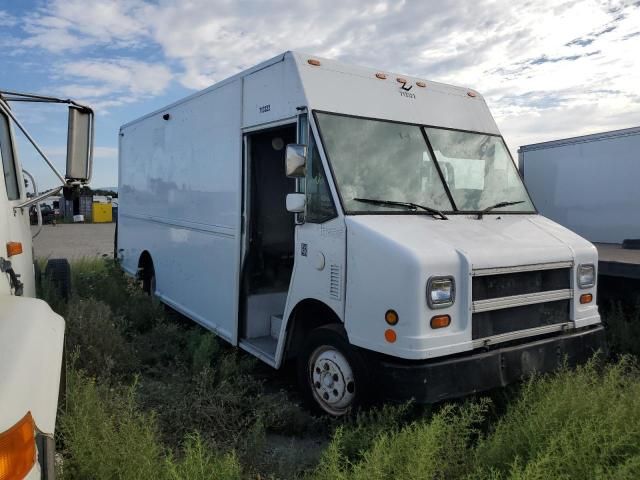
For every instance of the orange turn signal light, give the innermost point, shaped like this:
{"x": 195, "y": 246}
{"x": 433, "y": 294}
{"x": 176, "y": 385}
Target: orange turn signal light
{"x": 586, "y": 298}
{"x": 391, "y": 317}
{"x": 14, "y": 248}
{"x": 18, "y": 449}
{"x": 440, "y": 321}
{"x": 390, "y": 335}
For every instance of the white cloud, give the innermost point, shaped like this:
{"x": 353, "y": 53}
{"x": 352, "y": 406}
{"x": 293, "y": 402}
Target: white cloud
{"x": 111, "y": 82}
{"x": 63, "y": 25}
{"x": 7, "y": 20}
{"x": 548, "y": 68}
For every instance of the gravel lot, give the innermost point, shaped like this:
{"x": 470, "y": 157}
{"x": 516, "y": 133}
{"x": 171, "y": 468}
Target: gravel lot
{"x": 75, "y": 240}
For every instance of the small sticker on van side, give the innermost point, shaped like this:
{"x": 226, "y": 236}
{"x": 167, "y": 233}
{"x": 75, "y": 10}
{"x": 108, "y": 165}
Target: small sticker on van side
{"x": 303, "y": 249}
{"x": 264, "y": 108}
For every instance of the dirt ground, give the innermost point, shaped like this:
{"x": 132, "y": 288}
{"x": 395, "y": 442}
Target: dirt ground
{"x": 75, "y": 240}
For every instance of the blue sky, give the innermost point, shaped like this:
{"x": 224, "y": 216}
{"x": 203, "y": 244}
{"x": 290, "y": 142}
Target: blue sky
{"x": 548, "y": 69}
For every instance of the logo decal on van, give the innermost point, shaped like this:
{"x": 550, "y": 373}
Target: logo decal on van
{"x": 408, "y": 95}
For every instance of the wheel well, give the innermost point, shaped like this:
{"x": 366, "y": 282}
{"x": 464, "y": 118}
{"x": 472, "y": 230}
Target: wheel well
{"x": 307, "y": 315}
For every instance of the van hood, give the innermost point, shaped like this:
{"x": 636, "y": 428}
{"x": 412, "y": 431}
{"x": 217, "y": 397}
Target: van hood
{"x": 493, "y": 241}
{"x": 391, "y": 258}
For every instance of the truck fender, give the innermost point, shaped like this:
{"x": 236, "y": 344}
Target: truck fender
{"x": 306, "y": 315}
{"x": 31, "y": 346}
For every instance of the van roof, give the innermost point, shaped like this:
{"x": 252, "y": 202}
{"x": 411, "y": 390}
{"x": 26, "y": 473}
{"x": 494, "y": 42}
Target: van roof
{"x": 344, "y": 88}
{"x": 594, "y": 137}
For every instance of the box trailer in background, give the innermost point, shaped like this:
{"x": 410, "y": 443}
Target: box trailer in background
{"x": 591, "y": 185}
{"x": 369, "y": 225}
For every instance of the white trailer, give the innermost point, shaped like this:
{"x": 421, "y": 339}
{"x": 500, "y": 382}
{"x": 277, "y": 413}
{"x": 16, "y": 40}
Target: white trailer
{"x": 31, "y": 334}
{"x": 370, "y": 225}
{"x": 588, "y": 184}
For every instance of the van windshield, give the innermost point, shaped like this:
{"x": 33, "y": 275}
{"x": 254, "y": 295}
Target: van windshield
{"x": 382, "y": 160}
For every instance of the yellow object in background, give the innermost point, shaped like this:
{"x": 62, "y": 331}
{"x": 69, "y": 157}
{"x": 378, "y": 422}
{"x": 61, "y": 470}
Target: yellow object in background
{"x": 102, "y": 213}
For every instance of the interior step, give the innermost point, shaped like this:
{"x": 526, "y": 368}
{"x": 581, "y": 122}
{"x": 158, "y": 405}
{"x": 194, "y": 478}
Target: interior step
{"x": 262, "y": 347}
{"x": 276, "y": 323}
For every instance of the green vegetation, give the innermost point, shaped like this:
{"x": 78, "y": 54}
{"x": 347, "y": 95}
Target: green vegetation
{"x": 623, "y": 324}
{"x": 151, "y": 395}
{"x": 573, "y": 425}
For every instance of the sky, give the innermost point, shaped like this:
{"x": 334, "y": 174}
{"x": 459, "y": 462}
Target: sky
{"x": 548, "y": 69}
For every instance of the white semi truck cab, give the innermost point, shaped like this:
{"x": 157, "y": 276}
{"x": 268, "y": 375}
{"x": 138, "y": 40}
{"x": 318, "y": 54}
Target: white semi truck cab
{"x": 370, "y": 225}
{"x": 31, "y": 334}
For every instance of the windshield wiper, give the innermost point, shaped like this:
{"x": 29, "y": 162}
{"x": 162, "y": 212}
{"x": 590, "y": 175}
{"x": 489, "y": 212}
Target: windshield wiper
{"x": 409, "y": 205}
{"x": 498, "y": 205}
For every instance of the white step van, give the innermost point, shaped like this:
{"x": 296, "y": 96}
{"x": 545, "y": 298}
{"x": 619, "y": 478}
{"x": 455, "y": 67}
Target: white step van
{"x": 370, "y": 225}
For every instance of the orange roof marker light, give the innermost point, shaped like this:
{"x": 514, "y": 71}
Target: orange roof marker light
{"x": 14, "y": 248}
{"x": 18, "y": 449}
{"x": 314, "y": 62}
{"x": 381, "y": 76}
{"x": 421, "y": 84}
{"x": 471, "y": 94}
{"x": 401, "y": 80}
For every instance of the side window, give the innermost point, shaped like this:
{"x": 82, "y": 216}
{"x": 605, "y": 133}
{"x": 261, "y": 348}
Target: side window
{"x": 320, "y": 207}
{"x": 8, "y": 164}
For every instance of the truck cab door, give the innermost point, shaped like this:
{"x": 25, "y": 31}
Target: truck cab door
{"x": 320, "y": 241}
{"x": 14, "y": 223}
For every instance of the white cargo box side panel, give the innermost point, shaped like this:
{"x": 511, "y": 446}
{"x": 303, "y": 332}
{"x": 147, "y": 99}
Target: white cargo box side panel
{"x": 180, "y": 193}
{"x": 589, "y": 187}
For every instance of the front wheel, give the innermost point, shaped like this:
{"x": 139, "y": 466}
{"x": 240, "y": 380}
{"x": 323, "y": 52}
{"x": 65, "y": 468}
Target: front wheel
{"x": 332, "y": 374}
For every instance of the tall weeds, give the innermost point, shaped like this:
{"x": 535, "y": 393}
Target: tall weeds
{"x": 152, "y": 396}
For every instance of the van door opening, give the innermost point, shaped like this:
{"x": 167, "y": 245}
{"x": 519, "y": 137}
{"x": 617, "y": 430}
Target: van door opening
{"x": 270, "y": 238}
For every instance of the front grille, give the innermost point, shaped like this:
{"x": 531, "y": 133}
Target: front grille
{"x": 520, "y": 283}
{"x": 496, "y": 322}
{"x": 521, "y": 300}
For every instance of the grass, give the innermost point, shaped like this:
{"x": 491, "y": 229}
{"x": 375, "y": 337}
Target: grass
{"x": 107, "y": 435}
{"x": 184, "y": 391}
{"x": 573, "y": 425}
{"x": 151, "y": 395}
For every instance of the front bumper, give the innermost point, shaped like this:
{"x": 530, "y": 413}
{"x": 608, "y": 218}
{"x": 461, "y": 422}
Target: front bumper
{"x": 455, "y": 377}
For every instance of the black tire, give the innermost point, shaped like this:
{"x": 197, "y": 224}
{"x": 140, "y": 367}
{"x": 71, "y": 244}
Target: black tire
{"x": 115, "y": 243}
{"x": 58, "y": 272}
{"x": 149, "y": 280}
{"x": 332, "y": 374}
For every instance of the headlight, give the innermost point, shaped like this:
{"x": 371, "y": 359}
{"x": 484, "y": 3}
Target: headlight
{"x": 441, "y": 292}
{"x": 586, "y": 276}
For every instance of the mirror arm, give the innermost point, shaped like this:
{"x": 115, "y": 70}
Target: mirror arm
{"x": 32, "y": 97}
{"x": 35, "y": 145}
{"x": 38, "y": 198}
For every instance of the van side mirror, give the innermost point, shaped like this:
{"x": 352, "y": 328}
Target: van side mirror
{"x": 79, "y": 144}
{"x": 296, "y": 160}
{"x": 296, "y": 202}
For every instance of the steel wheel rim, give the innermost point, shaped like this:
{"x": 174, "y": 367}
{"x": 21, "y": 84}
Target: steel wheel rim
{"x": 331, "y": 379}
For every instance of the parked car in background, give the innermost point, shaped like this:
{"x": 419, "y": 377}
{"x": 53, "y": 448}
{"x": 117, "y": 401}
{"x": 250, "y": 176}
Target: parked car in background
{"x": 48, "y": 214}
